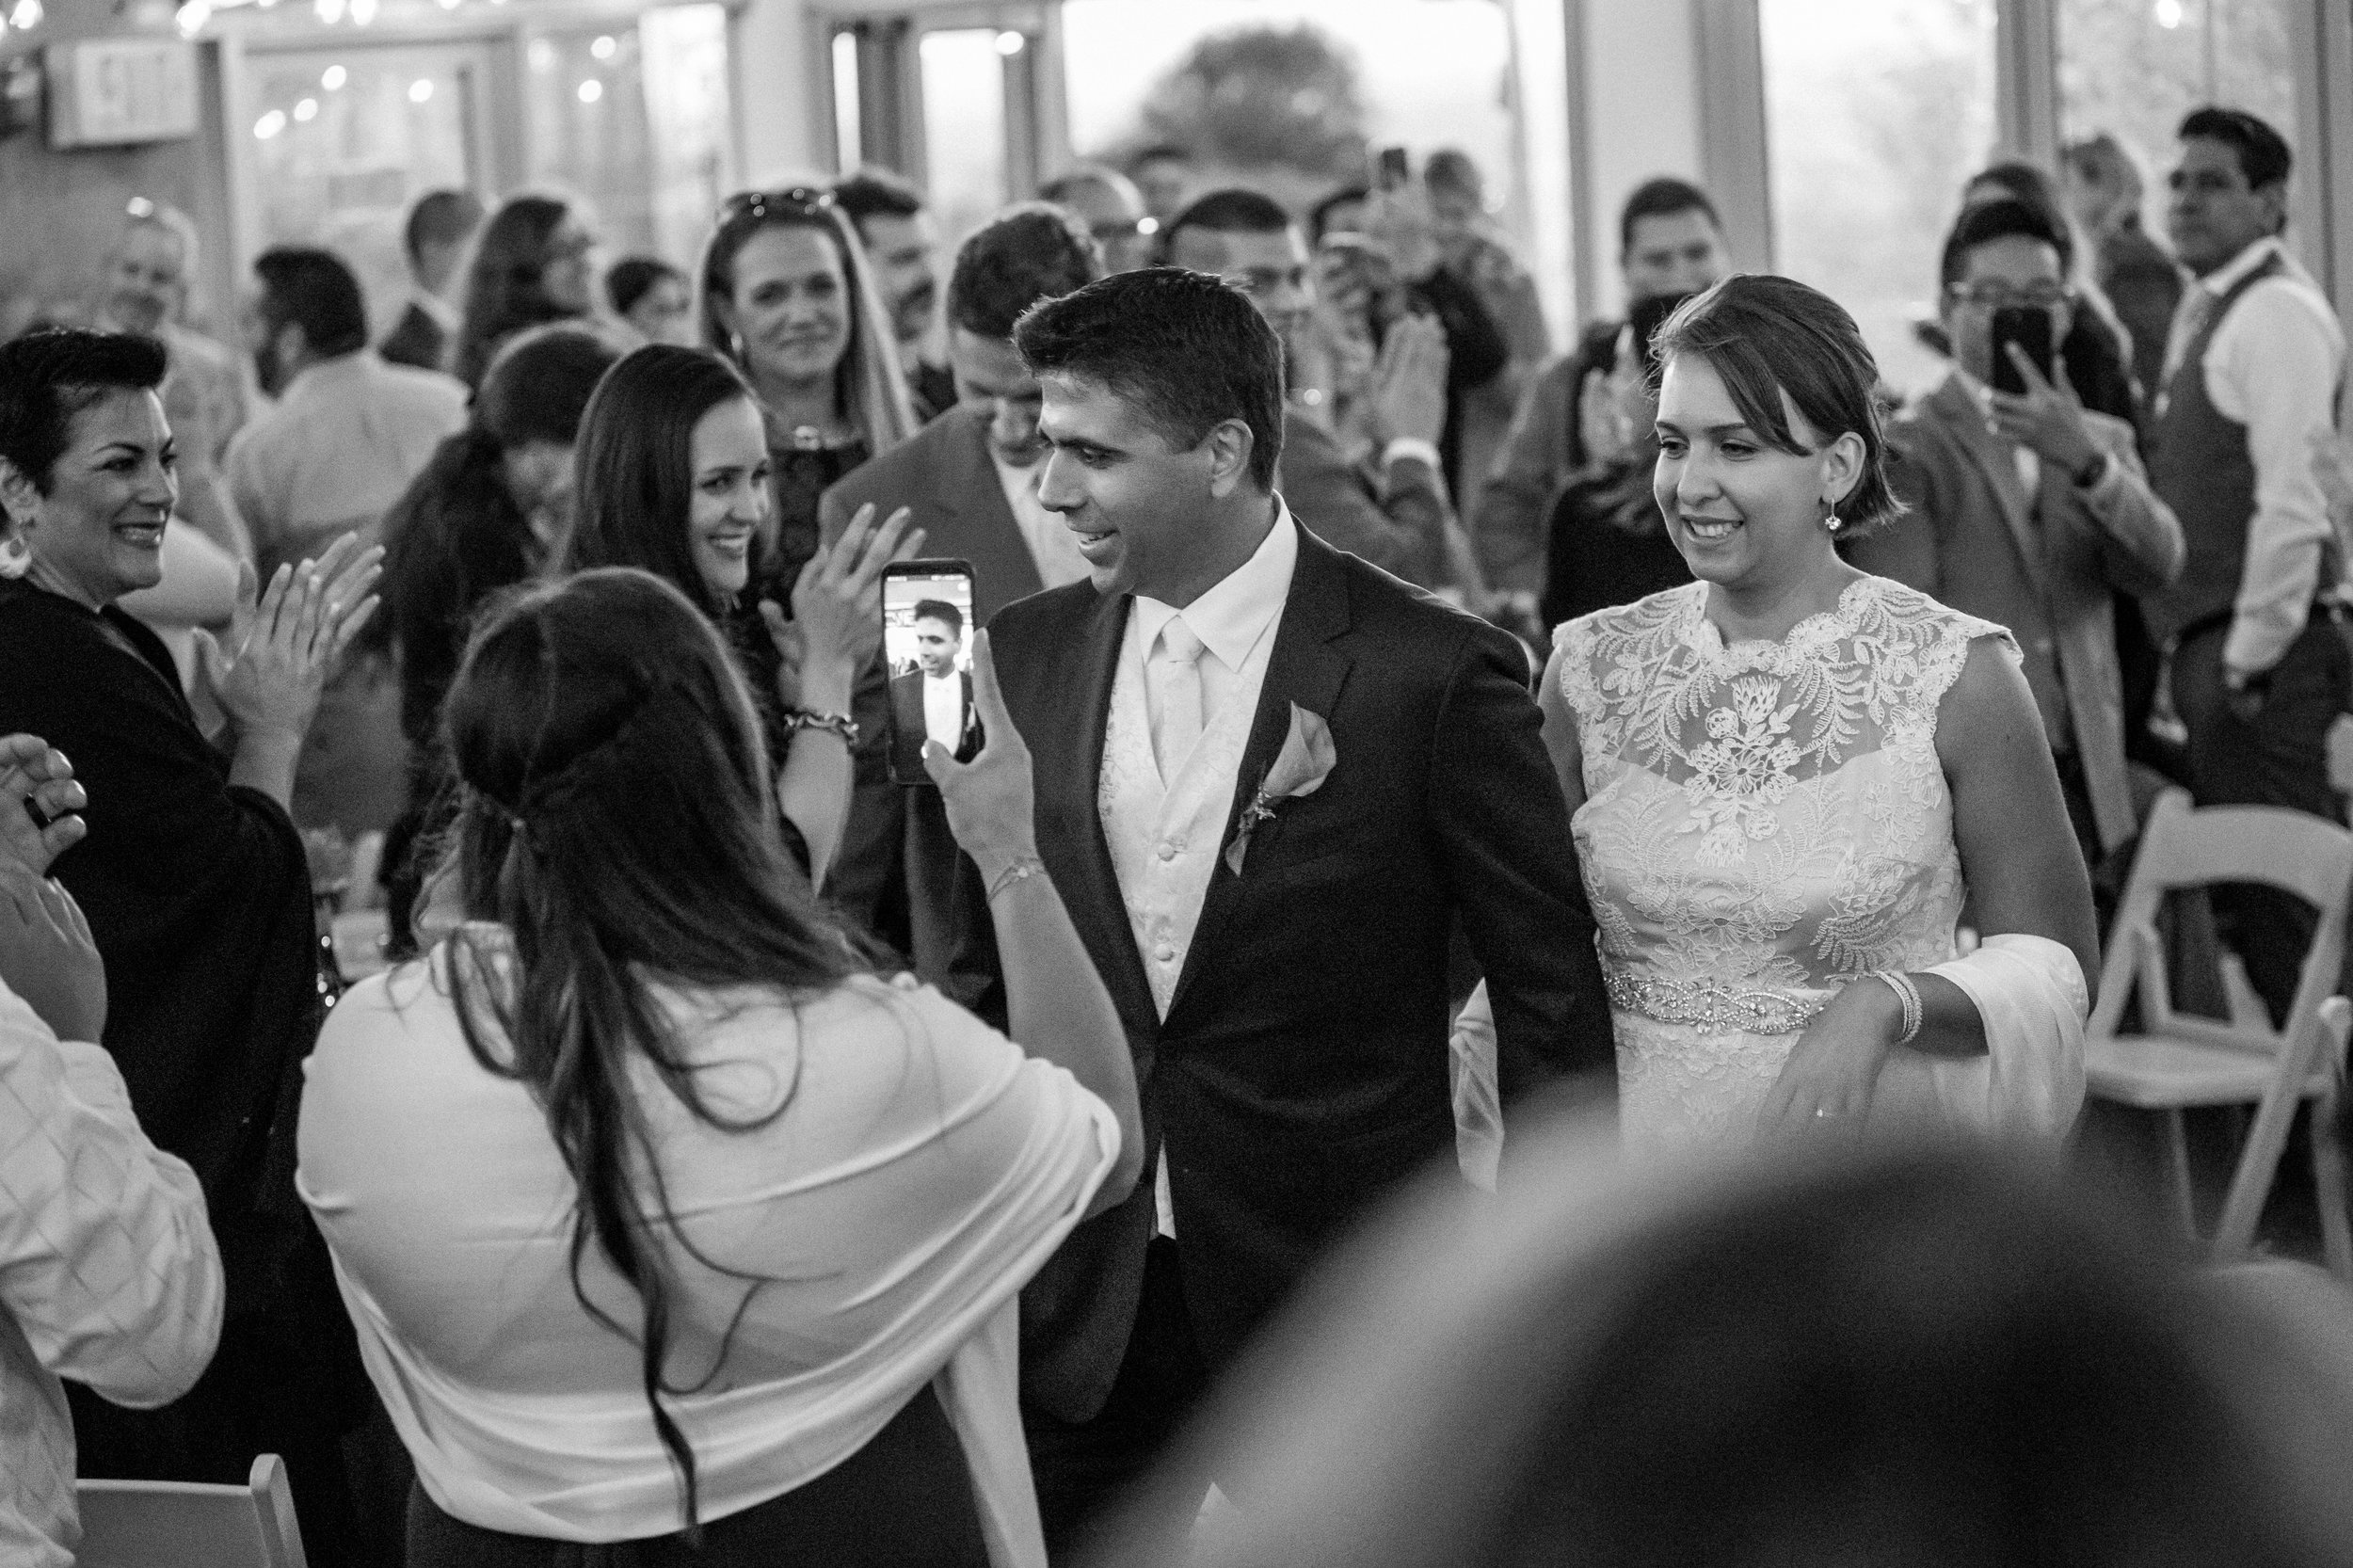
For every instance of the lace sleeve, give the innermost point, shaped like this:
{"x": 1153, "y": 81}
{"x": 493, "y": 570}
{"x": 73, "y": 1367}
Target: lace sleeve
{"x": 1574, "y": 641}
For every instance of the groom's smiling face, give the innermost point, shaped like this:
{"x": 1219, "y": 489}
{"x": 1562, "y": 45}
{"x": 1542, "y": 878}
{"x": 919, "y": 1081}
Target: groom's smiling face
{"x": 1134, "y": 497}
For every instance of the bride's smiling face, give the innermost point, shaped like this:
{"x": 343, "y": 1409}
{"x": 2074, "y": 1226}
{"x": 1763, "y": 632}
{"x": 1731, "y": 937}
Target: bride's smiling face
{"x": 1737, "y": 507}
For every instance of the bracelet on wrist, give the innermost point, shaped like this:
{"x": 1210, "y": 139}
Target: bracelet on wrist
{"x": 1020, "y": 869}
{"x": 1908, "y": 994}
{"x": 832, "y": 724}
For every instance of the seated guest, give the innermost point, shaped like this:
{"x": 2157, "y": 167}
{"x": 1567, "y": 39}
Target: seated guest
{"x": 108, "y": 1273}
{"x": 1393, "y": 512}
{"x": 192, "y": 877}
{"x": 434, "y": 239}
{"x": 971, "y": 479}
{"x": 672, "y": 478}
{"x": 346, "y": 434}
{"x": 932, "y": 699}
{"x": 484, "y": 515}
{"x": 665, "y": 1224}
{"x": 2029, "y": 511}
{"x": 652, "y": 295}
{"x": 1924, "y": 1358}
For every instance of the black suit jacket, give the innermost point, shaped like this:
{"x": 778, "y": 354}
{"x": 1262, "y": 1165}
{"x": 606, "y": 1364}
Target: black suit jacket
{"x": 416, "y": 338}
{"x": 1301, "y": 1070}
{"x": 907, "y": 721}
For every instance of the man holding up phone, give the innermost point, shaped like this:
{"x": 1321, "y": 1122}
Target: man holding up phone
{"x": 2029, "y": 509}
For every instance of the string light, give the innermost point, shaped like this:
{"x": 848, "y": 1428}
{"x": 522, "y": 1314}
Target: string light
{"x": 334, "y": 77}
{"x": 270, "y": 124}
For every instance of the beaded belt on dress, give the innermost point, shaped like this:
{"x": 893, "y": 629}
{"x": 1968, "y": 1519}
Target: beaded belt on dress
{"x": 1712, "y": 1006}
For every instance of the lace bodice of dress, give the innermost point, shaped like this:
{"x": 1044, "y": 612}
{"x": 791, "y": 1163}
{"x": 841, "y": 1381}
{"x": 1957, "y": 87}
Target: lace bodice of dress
{"x": 1765, "y": 822}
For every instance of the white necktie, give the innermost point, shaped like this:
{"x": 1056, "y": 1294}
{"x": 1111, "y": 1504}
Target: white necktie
{"x": 1172, "y": 685}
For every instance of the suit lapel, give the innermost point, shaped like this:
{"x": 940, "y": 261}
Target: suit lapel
{"x": 1993, "y": 458}
{"x": 983, "y": 528}
{"x": 1066, "y": 755}
{"x": 1304, "y": 668}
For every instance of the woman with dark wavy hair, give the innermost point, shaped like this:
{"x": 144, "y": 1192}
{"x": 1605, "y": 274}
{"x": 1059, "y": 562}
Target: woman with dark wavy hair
{"x": 530, "y": 265}
{"x": 673, "y": 478}
{"x": 664, "y": 1223}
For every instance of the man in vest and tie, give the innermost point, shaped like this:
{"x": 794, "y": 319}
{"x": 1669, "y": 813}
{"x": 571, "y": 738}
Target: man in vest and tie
{"x": 2252, "y": 370}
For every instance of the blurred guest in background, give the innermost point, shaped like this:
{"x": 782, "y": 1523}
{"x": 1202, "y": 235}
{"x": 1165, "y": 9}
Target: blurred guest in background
{"x": 646, "y": 1110}
{"x": 1165, "y": 177}
{"x": 1594, "y": 403}
{"x": 109, "y": 1272}
{"x": 1469, "y": 248}
{"x": 487, "y": 511}
{"x": 1643, "y": 1372}
{"x": 673, "y": 479}
{"x": 2103, "y": 192}
{"x": 195, "y": 884}
{"x": 347, "y": 434}
{"x": 2029, "y": 510}
{"x": 149, "y": 271}
{"x": 1109, "y": 204}
{"x": 785, "y": 291}
{"x": 434, "y": 240}
{"x": 1393, "y": 511}
{"x": 2097, "y": 357}
{"x": 2254, "y": 370}
{"x": 530, "y": 264}
{"x": 902, "y": 249}
{"x": 652, "y": 297}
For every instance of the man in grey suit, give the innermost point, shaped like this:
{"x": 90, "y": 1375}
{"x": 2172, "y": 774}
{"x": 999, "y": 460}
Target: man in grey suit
{"x": 970, "y": 478}
{"x": 2029, "y": 511}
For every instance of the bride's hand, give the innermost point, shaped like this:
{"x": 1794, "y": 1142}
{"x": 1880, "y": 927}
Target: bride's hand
{"x": 1827, "y": 1083}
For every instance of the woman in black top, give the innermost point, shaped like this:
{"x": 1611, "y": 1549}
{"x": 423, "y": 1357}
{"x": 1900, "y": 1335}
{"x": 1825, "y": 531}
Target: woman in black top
{"x": 785, "y": 295}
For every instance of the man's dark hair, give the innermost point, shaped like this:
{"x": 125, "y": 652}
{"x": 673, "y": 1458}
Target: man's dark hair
{"x": 1034, "y": 252}
{"x": 1989, "y": 221}
{"x": 941, "y": 610}
{"x": 1231, "y": 211}
{"x": 873, "y": 193}
{"x": 316, "y": 292}
{"x": 1319, "y": 215}
{"x": 48, "y": 378}
{"x": 2263, "y": 153}
{"x": 631, "y": 276}
{"x": 1664, "y": 196}
{"x": 1186, "y": 351}
{"x": 440, "y": 217}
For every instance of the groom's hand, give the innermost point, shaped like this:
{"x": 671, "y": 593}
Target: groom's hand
{"x": 991, "y": 801}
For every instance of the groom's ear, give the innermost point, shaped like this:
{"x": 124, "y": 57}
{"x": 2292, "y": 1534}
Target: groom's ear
{"x": 1228, "y": 444}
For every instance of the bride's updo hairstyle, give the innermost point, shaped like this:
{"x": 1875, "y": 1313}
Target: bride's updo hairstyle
{"x": 617, "y": 824}
{"x": 1769, "y": 337}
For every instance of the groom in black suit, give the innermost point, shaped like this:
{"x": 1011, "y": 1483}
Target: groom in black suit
{"x": 1278, "y": 953}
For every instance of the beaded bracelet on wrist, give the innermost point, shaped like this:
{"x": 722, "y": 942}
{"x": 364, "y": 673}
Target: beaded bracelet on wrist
{"x": 1019, "y": 869}
{"x": 1908, "y": 995}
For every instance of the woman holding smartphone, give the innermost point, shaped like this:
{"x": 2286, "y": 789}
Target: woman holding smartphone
{"x": 673, "y": 478}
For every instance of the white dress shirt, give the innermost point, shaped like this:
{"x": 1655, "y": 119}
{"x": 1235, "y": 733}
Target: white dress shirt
{"x": 2274, "y": 364}
{"x": 109, "y": 1272}
{"x": 1052, "y": 546}
{"x": 943, "y": 708}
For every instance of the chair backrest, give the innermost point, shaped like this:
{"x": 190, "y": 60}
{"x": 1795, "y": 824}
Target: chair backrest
{"x": 2184, "y": 847}
{"x": 169, "y": 1524}
{"x": 2322, "y": 1044}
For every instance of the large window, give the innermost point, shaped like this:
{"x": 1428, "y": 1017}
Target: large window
{"x": 1876, "y": 115}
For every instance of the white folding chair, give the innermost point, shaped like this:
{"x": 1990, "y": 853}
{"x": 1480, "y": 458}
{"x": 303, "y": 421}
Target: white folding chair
{"x": 2180, "y": 1061}
{"x": 170, "y": 1523}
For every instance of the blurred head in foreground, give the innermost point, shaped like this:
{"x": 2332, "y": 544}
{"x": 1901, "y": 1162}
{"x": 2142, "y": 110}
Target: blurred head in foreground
{"x": 1874, "y": 1359}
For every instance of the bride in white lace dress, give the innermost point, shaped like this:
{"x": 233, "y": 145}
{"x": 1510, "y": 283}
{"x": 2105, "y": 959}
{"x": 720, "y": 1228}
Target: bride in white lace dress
{"x": 1787, "y": 777}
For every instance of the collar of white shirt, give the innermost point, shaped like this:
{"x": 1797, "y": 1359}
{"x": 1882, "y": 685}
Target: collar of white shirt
{"x": 1235, "y": 612}
{"x": 442, "y": 313}
{"x": 2225, "y": 277}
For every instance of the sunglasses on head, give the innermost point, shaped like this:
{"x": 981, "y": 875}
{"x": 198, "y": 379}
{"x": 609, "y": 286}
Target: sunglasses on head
{"x": 799, "y": 202}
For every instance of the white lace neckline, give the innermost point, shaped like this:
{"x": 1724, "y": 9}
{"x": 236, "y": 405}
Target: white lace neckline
{"x": 1818, "y": 630}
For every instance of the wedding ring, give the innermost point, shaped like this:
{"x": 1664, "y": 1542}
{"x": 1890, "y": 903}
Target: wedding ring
{"x": 1823, "y": 1110}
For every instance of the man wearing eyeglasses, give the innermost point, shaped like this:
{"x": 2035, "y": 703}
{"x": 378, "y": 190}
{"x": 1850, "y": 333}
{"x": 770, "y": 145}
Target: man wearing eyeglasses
{"x": 2029, "y": 509}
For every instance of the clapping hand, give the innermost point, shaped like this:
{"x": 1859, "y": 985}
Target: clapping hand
{"x": 283, "y": 643}
{"x": 991, "y": 799}
{"x": 2047, "y": 418}
{"x": 36, "y": 776}
{"x": 48, "y": 956}
{"x": 837, "y": 611}
{"x": 1409, "y": 381}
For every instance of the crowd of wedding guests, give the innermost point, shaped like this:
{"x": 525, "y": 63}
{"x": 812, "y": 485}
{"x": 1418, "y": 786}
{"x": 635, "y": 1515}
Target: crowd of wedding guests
{"x": 1329, "y": 1068}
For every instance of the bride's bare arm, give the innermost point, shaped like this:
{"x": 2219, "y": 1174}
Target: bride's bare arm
{"x": 2024, "y": 872}
{"x": 1561, "y": 735}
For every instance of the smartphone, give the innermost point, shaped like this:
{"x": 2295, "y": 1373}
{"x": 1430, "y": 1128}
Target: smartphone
{"x": 2029, "y": 327}
{"x": 1393, "y": 169}
{"x": 927, "y": 647}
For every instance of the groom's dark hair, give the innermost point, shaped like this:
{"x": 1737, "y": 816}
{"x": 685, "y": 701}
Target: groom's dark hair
{"x": 1187, "y": 350}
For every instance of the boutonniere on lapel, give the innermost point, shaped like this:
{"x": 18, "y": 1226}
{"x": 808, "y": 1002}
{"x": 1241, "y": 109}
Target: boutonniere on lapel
{"x": 1299, "y": 769}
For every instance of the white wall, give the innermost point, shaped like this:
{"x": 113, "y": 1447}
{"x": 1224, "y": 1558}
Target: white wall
{"x": 780, "y": 128}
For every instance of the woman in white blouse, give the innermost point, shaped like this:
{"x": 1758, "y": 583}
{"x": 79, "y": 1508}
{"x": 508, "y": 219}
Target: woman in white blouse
{"x": 661, "y": 1220}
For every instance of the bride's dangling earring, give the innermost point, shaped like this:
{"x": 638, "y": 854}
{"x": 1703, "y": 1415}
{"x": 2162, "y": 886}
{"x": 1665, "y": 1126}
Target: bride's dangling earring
{"x": 1830, "y": 522}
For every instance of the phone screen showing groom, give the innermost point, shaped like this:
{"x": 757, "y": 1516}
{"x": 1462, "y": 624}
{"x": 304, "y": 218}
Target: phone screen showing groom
{"x": 927, "y": 640}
